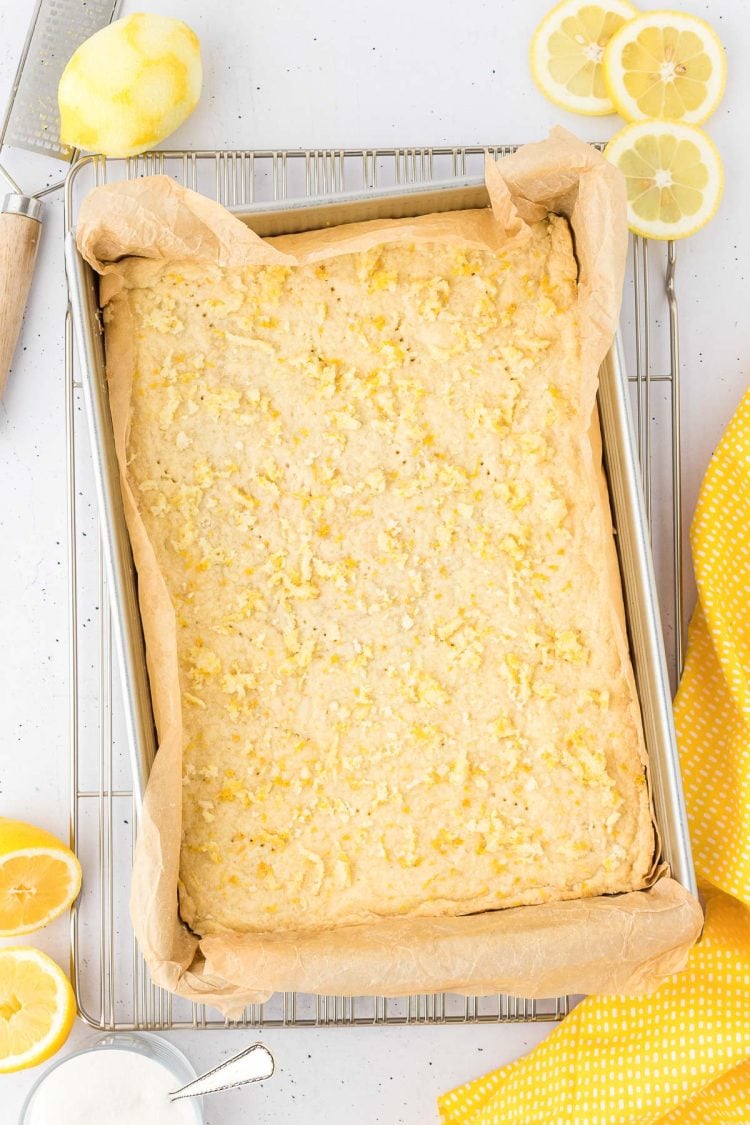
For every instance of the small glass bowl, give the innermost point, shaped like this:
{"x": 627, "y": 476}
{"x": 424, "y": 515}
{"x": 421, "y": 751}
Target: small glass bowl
{"x": 140, "y": 1042}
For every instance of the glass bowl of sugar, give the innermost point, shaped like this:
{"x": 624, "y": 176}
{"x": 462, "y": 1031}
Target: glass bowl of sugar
{"x": 122, "y": 1079}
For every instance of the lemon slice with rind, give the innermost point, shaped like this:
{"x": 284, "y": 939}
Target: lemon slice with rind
{"x": 37, "y": 1008}
{"x": 665, "y": 65}
{"x": 39, "y": 877}
{"x": 567, "y": 51}
{"x": 673, "y": 174}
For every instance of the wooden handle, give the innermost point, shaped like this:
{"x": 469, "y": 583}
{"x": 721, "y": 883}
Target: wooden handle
{"x": 19, "y": 240}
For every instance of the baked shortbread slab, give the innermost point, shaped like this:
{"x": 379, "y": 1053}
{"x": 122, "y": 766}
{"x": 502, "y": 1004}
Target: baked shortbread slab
{"x": 375, "y": 494}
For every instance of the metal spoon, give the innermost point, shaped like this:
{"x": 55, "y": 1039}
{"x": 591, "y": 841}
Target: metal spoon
{"x": 251, "y": 1065}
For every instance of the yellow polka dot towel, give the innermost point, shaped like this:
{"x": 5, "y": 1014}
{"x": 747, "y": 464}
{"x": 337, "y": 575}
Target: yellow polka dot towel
{"x": 680, "y": 1056}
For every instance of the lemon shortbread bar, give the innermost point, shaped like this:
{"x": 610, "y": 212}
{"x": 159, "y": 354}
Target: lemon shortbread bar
{"x": 374, "y": 492}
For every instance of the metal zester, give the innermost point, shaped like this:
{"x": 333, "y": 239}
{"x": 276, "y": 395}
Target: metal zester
{"x": 32, "y": 122}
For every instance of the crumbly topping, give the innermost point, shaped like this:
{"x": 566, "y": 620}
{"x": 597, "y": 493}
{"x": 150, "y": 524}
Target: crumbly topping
{"x": 366, "y": 485}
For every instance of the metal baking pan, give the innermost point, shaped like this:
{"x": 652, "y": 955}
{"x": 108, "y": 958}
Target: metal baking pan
{"x": 620, "y": 463}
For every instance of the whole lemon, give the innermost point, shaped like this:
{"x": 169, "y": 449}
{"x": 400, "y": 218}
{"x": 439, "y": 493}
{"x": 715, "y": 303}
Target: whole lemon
{"x": 130, "y": 85}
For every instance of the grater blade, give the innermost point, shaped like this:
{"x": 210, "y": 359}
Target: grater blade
{"x": 57, "y": 28}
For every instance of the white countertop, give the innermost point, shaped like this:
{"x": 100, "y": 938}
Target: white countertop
{"x": 283, "y": 73}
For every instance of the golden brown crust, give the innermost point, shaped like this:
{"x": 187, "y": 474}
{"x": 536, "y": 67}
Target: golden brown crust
{"x": 371, "y": 488}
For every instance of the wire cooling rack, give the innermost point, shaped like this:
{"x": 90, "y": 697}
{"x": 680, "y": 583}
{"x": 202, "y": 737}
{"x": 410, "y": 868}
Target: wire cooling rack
{"x": 111, "y": 981}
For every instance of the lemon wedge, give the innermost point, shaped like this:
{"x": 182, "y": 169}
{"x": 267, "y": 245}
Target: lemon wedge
{"x": 39, "y": 877}
{"x": 673, "y": 174}
{"x": 37, "y": 1008}
{"x": 567, "y": 51}
{"x": 130, "y": 85}
{"x": 665, "y": 65}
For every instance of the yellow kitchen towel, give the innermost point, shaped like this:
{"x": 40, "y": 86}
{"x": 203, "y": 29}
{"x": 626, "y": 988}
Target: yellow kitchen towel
{"x": 682, "y": 1055}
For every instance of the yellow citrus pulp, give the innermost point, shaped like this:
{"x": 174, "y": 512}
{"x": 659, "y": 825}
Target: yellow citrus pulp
{"x": 567, "y": 51}
{"x": 665, "y": 65}
{"x": 39, "y": 877}
{"x": 673, "y": 174}
{"x": 37, "y": 1008}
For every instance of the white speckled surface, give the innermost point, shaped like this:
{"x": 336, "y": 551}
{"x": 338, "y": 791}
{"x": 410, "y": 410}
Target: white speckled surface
{"x": 286, "y": 74}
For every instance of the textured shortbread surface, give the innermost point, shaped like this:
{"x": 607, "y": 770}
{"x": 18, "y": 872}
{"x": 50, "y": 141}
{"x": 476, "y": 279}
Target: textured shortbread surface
{"x": 371, "y": 489}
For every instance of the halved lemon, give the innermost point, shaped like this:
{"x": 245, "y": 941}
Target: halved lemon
{"x": 665, "y": 65}
{"x": 567, "y": 50}
{"x": 39, "y": 877}
{"x": 674, "y": 177}
{"x": 37, "y": 1008}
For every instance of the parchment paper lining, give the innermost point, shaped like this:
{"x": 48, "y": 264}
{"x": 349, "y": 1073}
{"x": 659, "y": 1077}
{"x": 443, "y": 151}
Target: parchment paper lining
{"x": 621, "y": 943}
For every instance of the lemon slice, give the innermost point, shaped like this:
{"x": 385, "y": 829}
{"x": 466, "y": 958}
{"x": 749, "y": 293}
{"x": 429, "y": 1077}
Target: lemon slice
{"x": 567, "y": 50}
{"x": 39, "y": 877}
{"x": 37, "y": 1008}
{"x": 673, "y": 174}
{"x": 665, "y": 65}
